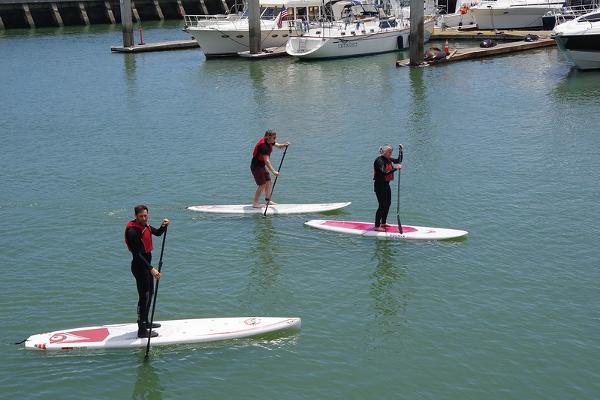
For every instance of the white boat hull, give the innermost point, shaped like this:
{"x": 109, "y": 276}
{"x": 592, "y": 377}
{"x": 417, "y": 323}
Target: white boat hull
{"x": 171, "y": 332}
{"x": 456, "y": 20}
{"x": 215, "y": 42}
{"x": 582, "y": 59}
{"x": 510, "y": 17}
{"x": 319, "y": 47}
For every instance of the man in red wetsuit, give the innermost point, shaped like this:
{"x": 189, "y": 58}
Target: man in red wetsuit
{"x": 261, "y": 165}
{"x": 138, "y": 238}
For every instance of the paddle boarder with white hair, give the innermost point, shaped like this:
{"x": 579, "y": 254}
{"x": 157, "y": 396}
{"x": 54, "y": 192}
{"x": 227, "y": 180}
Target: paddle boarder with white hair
{"x": 138, "y": 238}
{"x": 261, "y": 165}
{"x": 383, "y": 173}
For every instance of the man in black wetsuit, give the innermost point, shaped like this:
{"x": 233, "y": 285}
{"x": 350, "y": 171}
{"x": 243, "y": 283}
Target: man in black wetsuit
{"x": 383, "y": 174}
{"x": 138, "y": 238}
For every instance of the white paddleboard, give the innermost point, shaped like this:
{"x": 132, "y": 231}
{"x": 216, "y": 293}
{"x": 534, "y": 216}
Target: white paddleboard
{"x": 171, "y": 332}
{"x": 366, "y": 229}
{"x": 272, "y": 209}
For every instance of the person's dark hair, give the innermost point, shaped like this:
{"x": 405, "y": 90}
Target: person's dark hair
{"x": 138, "y": 209}
{"x": 270, "y": 132}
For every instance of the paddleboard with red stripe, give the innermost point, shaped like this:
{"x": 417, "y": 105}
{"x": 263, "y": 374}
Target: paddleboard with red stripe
{"x": 171, "y": 332}
{"x": 392, "y": 232}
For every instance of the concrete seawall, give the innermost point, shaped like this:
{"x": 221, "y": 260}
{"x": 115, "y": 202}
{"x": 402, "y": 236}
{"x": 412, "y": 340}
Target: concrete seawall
{"x": 49, "y": 13}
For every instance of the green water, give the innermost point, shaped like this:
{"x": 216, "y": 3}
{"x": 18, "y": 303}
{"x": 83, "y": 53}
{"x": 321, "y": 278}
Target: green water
{"x": 506, "y": 148}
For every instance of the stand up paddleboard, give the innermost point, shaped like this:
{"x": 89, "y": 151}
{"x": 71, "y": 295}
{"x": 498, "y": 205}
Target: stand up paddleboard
{"x": 171, "y": 332}
{"x": 272, "y": 209}
{"x": 366, "y": 229}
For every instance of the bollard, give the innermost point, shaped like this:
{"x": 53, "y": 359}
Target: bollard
{"x": 141, "y": 36}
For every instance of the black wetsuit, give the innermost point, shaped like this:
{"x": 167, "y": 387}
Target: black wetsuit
{"x": 382, "y": 187}
{"x": 140, "y": 268}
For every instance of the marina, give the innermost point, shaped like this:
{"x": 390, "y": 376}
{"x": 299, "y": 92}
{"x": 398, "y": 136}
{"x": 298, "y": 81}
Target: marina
{"x": 481, "y": 283}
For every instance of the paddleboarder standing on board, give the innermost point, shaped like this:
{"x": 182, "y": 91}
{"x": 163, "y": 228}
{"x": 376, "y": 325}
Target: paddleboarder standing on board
{"x": 261, "y": 165}
{"x": 383, "y": 173}
{"x": 138, "y": 238}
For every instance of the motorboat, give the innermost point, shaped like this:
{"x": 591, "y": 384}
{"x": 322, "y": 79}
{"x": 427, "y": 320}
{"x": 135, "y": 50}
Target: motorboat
{"x": 228, "y": 34}
{"x": 579, "y": 40}
{"x": 513, "y": 14}
{"x": 556, "y": 17}
{"x": 356, "y": 29}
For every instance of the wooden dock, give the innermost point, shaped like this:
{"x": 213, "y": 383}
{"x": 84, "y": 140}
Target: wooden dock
{"x": 505, "y": 34}
{"x": 158, "y": 46}
{"x": 270, "y": 52}
{"x": 477, "y": 52}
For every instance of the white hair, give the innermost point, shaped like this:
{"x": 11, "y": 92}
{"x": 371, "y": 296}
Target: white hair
{"x": 385, "y": 148}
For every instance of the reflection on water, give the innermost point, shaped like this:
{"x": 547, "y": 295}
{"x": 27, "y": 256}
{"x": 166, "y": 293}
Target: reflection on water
{"x": 265, "y": 268}
{"x": 147, "y": 385}
{"x": 129, "y": 63}
{"x": 578, "y": 85}
{"x": 420, "y": 114}
{"x": 389, "y": 300}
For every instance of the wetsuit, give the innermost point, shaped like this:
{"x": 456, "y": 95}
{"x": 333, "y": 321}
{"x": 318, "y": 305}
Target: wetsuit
{"x": 383, "y": 174}
{"x": 140, "y": 268}
{"x": 257, "y": 165}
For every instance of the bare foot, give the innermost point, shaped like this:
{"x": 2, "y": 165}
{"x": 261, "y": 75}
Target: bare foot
{"x": 379, "y": 229}
{"x": 255, "y": 205}
{"x": 271, "y": 203}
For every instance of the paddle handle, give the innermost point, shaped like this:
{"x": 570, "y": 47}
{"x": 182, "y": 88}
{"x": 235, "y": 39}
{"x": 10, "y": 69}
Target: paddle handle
{"x": 160, "y": 263}
{"x": 275, "y": 182}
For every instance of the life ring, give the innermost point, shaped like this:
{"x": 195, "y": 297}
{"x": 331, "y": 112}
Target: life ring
{"x": 464, "y": 9}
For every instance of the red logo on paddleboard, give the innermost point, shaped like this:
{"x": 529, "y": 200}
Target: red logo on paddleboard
{"x": 86, "y": 335}
{"x": 252, "y": 321}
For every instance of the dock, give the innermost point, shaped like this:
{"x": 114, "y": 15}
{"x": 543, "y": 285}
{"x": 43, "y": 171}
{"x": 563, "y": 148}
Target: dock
{"x": 158, "y": 46}
{"x": 505, "y": 34}
{"x": 270, "y": 52}
{"x": 477, "y": 52}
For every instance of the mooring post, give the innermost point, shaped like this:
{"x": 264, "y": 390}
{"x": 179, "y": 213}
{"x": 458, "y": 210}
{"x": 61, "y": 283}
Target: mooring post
{"x": 225, "y": 7}
{"x": 1, "y": 24}
{"x": 127, "y": 23}
{"x": 159, "y": 12}
{"x": 83, "y": 12}
{"x": 109, "y": 12}
{"x": 56, "y": 15}
{"x": 203, "y": 6}
{"x": 135, "y": 13}
{"x": 254, "y": 26}
{"x": 180, "y": 8}
{"x": 28, "y": 16}
{"x": 417, "y": 32}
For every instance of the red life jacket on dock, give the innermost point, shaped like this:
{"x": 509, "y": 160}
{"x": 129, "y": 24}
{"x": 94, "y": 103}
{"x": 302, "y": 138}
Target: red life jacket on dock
{"x": 145, "y": 233}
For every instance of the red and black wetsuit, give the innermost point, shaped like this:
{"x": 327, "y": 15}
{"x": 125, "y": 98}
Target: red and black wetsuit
{"x": 138, "y": 239}
{"x": 383, "y": 174}
{"x": 257, "y": 165}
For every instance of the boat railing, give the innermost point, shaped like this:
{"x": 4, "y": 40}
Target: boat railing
{"x": 571, "y": 12}
{"x": 200, "y": 21}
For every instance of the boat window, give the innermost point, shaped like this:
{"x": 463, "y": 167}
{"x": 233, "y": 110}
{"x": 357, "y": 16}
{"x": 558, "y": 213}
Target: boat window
{"x": 275, "y": 35}
{"x": 225, "y": 36}
{"x": 317, "y": 32}
{"x": 384, "y": 24}
{"x": 284, "y": 35}
{"x": 267, "y": 12}
{"x": 590, "y": 18}
{"x": 239, "y": 36}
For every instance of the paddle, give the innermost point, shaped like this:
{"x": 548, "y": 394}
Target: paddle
{"x": 400, "y": 151}
{"x": 275, "y": 183}
{"x": 162, "y": 249}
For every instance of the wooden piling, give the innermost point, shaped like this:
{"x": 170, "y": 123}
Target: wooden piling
{"x": 135, "y": 13}
{"x": 203, "y": 6}
{"x": 126, "y": 23}
{"x": 28, "y": 17}
{"x": 417, "y": 32}
{"x": 180, "y": 8}
{"x": 159, "y": 12}
{"x": 83, "y": 12}
{"x": 109, "y": 12}
{"x": 254, "y": 26}
{"x": 56, "y": 15}
{"x": 1, "y": 24}
{"x": 225, "y": 7}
